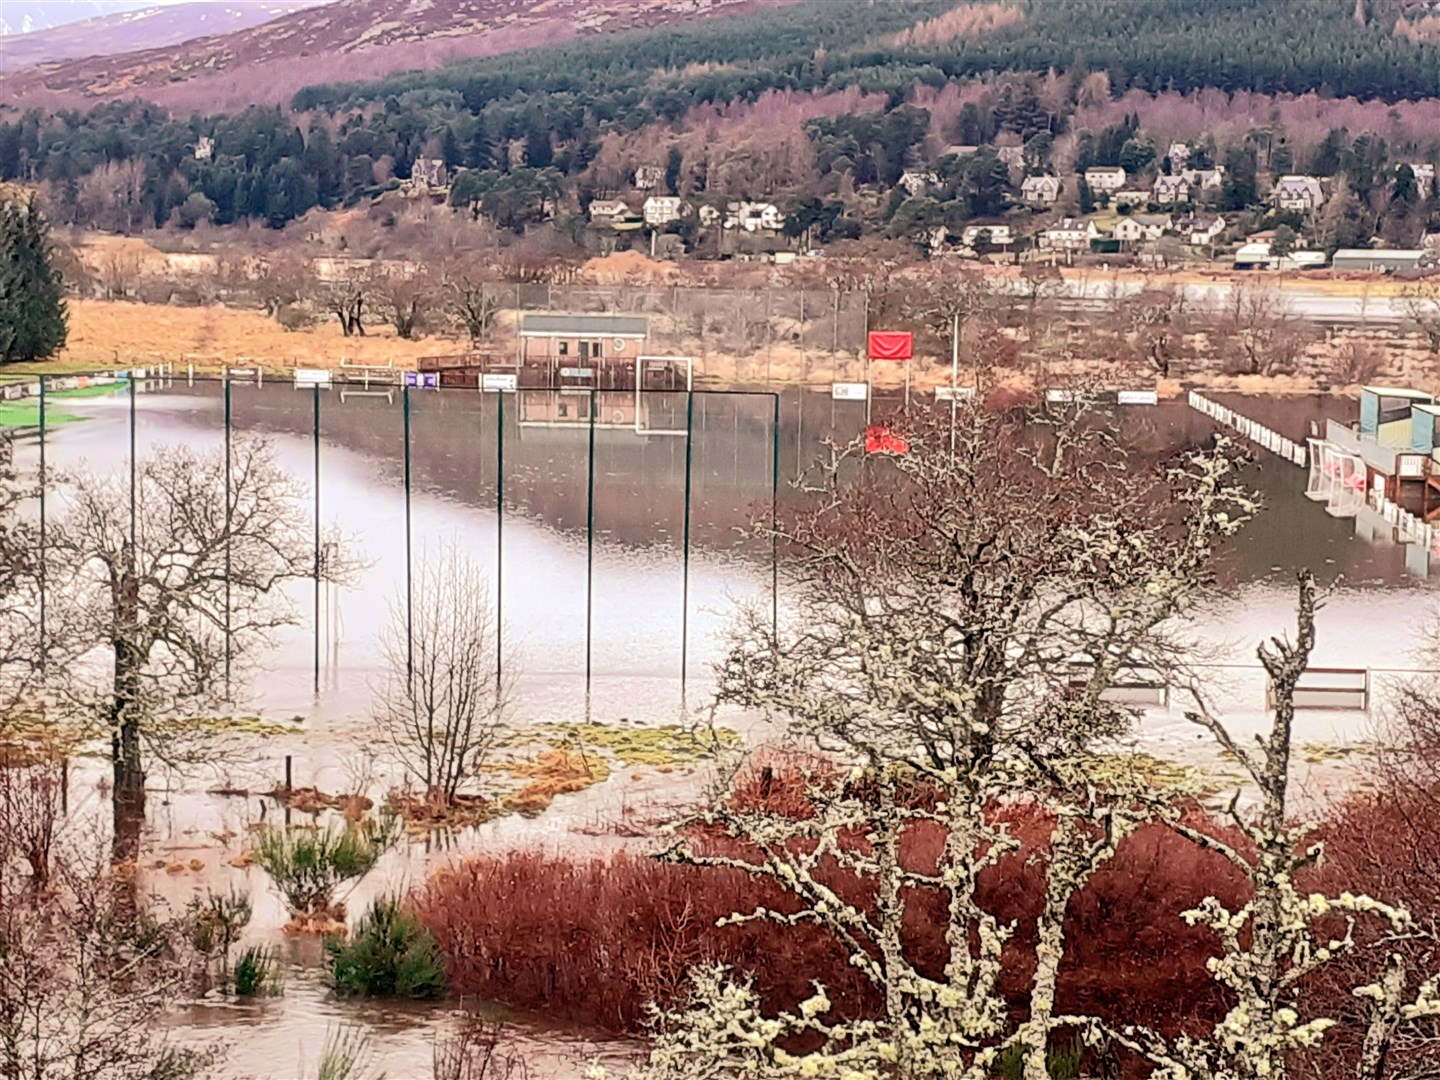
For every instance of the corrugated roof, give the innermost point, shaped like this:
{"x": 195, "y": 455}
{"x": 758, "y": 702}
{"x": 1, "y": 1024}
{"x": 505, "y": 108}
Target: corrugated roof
{"x": 626, "y": 326}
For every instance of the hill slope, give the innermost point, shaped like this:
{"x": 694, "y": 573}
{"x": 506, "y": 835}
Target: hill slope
{"x": 147, "y": 27}
{"x": 349, "y": 38}
{"x": 31, "y": 16}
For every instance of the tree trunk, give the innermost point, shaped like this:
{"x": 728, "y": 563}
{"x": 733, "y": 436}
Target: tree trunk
{"x": 128, "y": 797}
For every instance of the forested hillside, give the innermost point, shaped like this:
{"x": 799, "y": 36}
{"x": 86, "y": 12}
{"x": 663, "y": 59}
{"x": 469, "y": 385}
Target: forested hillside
{"x": 804, "y": 103}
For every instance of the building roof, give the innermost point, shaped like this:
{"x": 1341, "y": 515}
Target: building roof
{"x": 1381, "y": 253}
{"x": 1399, "y": 391}
{"x": 566, "y": 326}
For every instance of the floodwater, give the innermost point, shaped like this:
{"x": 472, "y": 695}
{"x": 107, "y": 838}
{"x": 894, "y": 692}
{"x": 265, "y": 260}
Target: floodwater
{"x": 656, "y": 606}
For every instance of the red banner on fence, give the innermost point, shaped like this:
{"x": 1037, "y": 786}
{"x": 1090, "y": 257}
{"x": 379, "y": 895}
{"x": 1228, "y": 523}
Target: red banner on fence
{"x": 879, "y": 439}
{"x": 891, "y": 345}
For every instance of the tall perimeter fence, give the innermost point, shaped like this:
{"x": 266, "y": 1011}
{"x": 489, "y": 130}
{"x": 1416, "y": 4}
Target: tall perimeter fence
{"x": 614, "y": 530}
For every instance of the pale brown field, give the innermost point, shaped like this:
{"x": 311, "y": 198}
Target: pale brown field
{"x": 107, "y": 333}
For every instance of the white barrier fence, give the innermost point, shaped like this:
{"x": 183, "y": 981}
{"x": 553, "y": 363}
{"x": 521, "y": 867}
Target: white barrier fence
{"x": 1246, "y": 428}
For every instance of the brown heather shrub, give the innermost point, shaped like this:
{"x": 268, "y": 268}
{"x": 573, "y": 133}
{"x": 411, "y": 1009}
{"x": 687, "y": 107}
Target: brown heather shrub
{"x": 590, "y": 942}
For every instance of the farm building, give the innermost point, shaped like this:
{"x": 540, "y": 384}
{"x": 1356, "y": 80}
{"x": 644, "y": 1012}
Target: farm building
{"x": 1386, "y": 259}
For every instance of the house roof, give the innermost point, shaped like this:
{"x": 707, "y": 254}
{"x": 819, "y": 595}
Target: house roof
{"x": 635, "y": 327}
{"x": 1150, "y": 219}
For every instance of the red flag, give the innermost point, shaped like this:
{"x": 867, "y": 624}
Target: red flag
{"x": 879, "y": 439}
{"x": 891, "y": 345}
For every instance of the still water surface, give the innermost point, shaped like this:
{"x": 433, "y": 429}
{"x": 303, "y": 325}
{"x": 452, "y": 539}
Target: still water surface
{"x": 643, "y": 603}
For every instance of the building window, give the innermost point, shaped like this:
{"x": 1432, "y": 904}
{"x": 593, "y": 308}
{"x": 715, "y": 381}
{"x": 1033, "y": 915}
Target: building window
{"x": 564, "y": 348}
{"x": 563, "y": 410}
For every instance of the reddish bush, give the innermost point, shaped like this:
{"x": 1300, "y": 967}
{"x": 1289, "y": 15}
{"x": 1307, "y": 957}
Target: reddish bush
{"x": 592, "y": 942}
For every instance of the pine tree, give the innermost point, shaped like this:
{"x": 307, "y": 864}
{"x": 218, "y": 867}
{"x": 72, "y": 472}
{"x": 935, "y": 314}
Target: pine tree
{"x": 33, "y": 319}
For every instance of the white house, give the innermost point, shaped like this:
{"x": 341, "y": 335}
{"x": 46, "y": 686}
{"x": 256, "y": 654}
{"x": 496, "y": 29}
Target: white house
{"x": 1424, "y": 177}
{"x": 754, "y": 217}
{"x": 1179, "y": 155}
{"x": 914, "y": 181}
{"x": 1138, "y": 227}
{"x": 427, "y": 174}
{"x": 1040, "y": 190}
{"x": 998, "y": 235}
{"x": 1014, "y": 156}
{"x": 204, "y": 148}
{"x": 709, "y": 216}
{"x": 1169, "y": 190}
{"x": 1202, "y": 180}
{"x": 1301, "y": 193}
{"x": 660, "y": 210}
{"x": 1105, "y": 178}
{"x": 649, "y": 177}
{"x": 607, "y": 211}
{"x": 1069, "y": 234}
{"x": 1204, "y": 230}
{"x": 1131, "y": 197}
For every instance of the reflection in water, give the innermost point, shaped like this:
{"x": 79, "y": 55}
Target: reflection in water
{"x": 520, "y": 489}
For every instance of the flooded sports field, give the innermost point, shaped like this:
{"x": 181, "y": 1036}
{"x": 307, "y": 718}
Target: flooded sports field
{"x": 612, "y": 531}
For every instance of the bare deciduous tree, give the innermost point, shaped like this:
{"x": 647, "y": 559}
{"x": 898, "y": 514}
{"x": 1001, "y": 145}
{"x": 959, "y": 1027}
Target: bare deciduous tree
{"x": 30, "y": 822}
{"x": 120, "y": 274}
{"x": 957, "y": 617}
{"x": 1420, "y": 301}
{"x": 162, "y": 583}
{"x": 472, "y": 305}
{"x": 1262, "y": 334}
{"x": 347, "y": 298}
{"x": 441, "y": 705}
{"x": 1275, "y": 942}
{"x": 19, "y": 627}
{"x": 1155, "y": 322}
{"x": 405, "y": 295}
{"x": 84, "y": 982}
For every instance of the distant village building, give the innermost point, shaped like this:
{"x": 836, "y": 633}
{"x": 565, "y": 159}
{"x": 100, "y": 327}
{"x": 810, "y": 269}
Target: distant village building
{"x": 1382, "y": 259}
{"x": 1179, "y": 156}
{"x": 964, "y": 150}
{"x": 1299, "y": 193}
{"x": 709, "y": 216}
{"x": 1014, "y": 156}
{"x": 426, "y": 175}
{"x": 1040, "y": 190}
{"x": 976, "y": 236}
{"x": 1169, "y": 190}
{"x": 608, "y": 211}
{"x": 661, "y": 210}
{"x": 1105, "y": 178}
{"x": 649, "y": 177}
{"x": 1424, "y": 177}
{"x": 1138, "y": 227}
{"x": 754, "y": 217}
{"x": 204, "y": 148}
{"x": 1132, "y": 197}
{"x": 1070, "y": 234}
{"x": 1203, "y": 180}
{"x": 914, "y": 181}
{"x": 1203, "y": 230}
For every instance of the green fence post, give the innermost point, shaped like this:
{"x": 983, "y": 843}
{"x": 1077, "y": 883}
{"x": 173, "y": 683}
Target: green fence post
{"x": 590, "y": 554}
{"x": 685, "y": 587}
{"x": 43, "y": 531}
